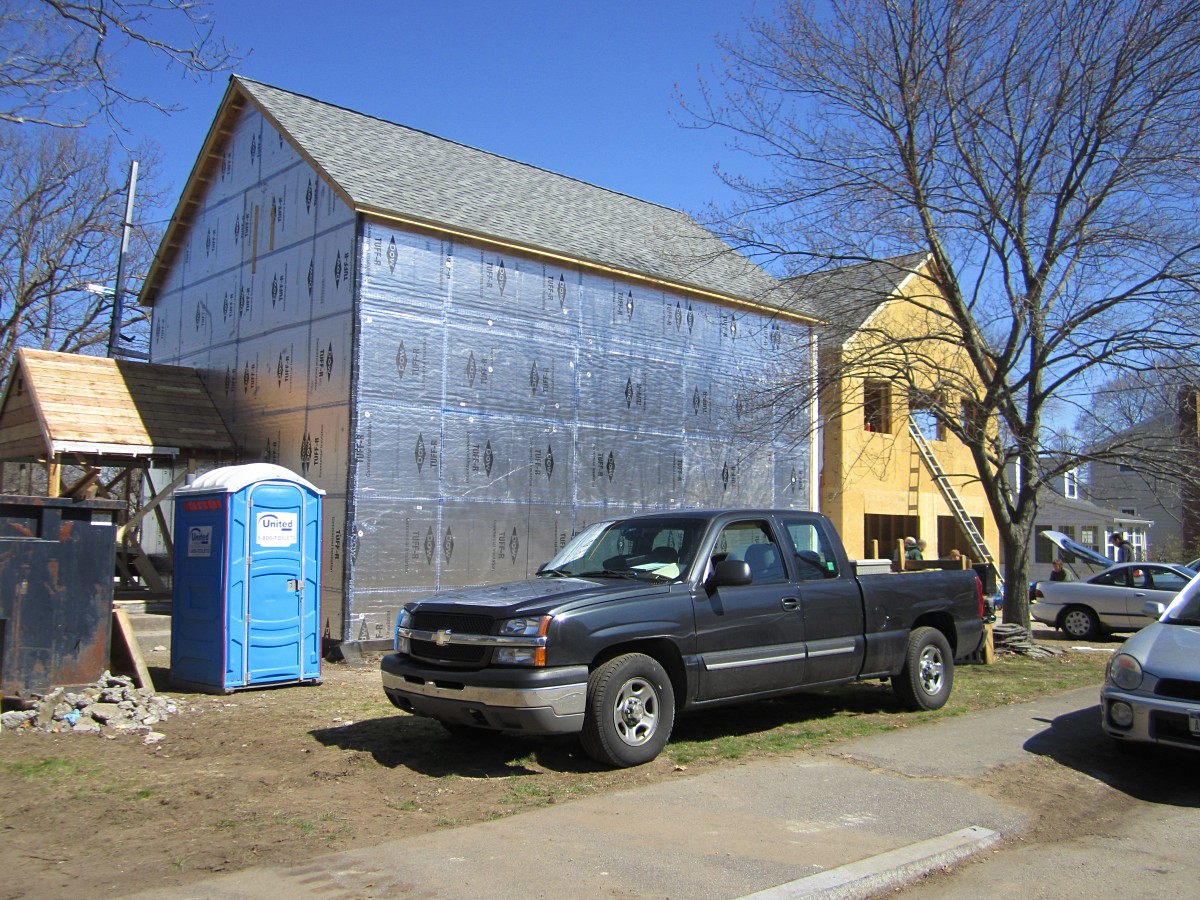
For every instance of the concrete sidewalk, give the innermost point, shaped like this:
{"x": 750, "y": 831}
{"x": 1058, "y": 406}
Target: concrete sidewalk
{"x": 874, "y": 804}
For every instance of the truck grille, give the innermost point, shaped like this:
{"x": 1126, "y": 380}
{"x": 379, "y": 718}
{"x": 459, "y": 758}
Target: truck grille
{"x": 436, "y": 621}
{"x": 455, "y": 654}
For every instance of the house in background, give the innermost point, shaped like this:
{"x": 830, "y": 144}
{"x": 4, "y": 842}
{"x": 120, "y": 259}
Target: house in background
{"x": 1173, "y": 506}
{"x": 889, "y": 468}
{"x": 1065, "y": 508}
{"x": 474, "y": 358}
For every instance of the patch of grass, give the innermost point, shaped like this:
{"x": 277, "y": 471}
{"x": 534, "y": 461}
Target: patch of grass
{"x": 304, "y": 826}
{"x": 326, "y": 825}
{"x": 49, "y": 769}
{"x": 809, "y": 721}
{"x": 80, "y": 780}
{"x": 402, "y": 806}
{"x": 527, "y": 792}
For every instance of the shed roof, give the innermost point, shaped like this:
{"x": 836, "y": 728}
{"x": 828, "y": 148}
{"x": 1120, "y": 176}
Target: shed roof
{"x": 401, "y": 174}
{"x": 58, "y": 403}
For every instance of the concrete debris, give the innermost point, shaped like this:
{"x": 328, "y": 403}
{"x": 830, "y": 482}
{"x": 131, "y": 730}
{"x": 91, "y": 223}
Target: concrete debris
{"x": 110, "y": 706}
{"x": 1014, "y": 639}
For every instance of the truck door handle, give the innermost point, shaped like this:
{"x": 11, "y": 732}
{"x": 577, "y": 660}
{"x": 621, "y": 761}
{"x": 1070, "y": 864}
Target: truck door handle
{"x": 790, "y": 603}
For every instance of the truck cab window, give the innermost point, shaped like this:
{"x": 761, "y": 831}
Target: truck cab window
{"x": 752, "y": 542}
{"x": 814, "y": 559}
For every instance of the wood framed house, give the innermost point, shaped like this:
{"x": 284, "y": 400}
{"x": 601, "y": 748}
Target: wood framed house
{"x": 891, "y": 373}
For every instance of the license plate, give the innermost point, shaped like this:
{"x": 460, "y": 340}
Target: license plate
{"x": 1194, "y": 722}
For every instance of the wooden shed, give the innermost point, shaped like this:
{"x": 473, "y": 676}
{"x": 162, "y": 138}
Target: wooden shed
{"x": 97, "y": 426}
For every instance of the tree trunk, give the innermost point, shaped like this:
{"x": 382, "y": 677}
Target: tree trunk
{"x": 1016, "y": 575}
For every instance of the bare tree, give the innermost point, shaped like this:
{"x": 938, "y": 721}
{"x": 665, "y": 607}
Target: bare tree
{"x": 61, "y": 209}
{"x": 1042, "y": 157}
{"x": 58, "y": 58}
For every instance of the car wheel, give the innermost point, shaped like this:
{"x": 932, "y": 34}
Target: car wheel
{"x": 1080, "y": 623}
{"x": 630, "y": 711}
{"x": 928, "y": 674}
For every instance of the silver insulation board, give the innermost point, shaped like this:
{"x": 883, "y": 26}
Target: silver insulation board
{"x": 261, "y": 299}
{"x": 466, "y": 411}
{"x": 502, "y": 403}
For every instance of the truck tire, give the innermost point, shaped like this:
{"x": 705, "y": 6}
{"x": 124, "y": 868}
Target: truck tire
{"x": 630, "y": 711}
{"x": 928, "y": 674}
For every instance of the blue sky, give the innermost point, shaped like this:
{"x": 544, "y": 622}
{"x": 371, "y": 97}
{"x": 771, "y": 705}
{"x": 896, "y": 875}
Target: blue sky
{"x": 586, "y": 89}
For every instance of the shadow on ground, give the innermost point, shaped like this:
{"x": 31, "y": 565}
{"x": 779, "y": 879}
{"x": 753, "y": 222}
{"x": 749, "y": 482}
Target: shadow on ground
{"x": 1151, "y": 774}
{"x": 425, "y": 746}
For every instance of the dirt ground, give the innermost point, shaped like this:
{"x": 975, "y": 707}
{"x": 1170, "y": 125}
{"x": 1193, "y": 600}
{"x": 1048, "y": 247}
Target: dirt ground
{"x": 261, "y": 777}
{"x": 276, "y": 776}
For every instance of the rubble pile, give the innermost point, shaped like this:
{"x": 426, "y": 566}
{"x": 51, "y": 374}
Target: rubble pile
{"x": 1009, "y": 638}
{"x": 110, "y": 706}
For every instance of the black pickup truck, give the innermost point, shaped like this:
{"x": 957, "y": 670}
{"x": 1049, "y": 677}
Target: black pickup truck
{"x": 640, "y": 617}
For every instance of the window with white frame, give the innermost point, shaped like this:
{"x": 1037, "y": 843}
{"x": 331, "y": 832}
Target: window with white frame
{"x": 1071, "y": 484}
{"x": 1137, "y": 537}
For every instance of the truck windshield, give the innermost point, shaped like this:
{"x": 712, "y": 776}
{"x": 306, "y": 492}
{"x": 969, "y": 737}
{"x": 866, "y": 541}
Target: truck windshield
{"x": 654, "y": 549}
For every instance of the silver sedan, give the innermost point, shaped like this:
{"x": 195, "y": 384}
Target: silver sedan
{"x": 1113, "y": 600}
{"x": 1152, "y": 692}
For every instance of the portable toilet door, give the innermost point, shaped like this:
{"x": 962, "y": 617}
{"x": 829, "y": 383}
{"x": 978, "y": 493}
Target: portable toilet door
{"x": 275, "y": 610}
{"x": 247, "y": 579}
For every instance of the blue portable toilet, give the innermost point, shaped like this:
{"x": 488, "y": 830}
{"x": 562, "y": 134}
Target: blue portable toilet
{"x": 247, "y": 580}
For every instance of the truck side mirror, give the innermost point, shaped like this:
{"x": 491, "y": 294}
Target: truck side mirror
{"x": 730, "y": 572}
{"x": 1153, "y": 609}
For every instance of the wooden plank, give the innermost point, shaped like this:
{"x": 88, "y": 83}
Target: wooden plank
{"x": 125, "y": 645}
{"x": 99, "y": 405}
{"x": 146, "y": 571}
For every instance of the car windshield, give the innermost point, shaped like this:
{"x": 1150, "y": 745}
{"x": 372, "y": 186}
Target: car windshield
{"x": 1185, "y": 610}
{"x": 652, "y": 549}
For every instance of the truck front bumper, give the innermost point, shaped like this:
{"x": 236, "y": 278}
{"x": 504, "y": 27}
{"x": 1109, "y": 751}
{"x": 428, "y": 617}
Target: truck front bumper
{"x": 532, "y": 701}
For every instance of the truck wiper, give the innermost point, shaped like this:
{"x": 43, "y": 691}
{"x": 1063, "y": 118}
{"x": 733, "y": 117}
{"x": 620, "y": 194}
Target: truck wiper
{"x": 557, "y": 573}
{"x": 608, "y": 573}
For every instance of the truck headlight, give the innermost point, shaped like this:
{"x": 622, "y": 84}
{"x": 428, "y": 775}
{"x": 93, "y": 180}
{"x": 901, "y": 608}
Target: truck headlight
{"x": 1125, "y": 672}
{"x": 530, "y": 647}
{"x": 400, "y": 641}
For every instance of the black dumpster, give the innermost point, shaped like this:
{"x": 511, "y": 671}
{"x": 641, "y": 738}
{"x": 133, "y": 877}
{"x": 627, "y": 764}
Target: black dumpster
{"x": 56, "y": 590}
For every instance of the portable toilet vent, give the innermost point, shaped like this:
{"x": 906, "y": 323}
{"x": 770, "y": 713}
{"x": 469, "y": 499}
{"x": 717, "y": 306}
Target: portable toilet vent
{"x": 247, "y": 580}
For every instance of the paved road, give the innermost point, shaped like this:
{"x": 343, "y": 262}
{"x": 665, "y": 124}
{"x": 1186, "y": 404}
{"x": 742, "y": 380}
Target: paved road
{"x": 783, "y": 826}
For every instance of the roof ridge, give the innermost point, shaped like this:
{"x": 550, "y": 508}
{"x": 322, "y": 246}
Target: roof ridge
{"x": 437, "y": 137}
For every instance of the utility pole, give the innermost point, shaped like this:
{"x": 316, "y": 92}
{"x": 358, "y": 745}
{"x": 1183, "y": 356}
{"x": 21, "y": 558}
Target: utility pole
{"x": 114, "y": 333}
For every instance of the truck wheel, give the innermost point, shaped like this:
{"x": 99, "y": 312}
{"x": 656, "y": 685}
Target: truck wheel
{"x": 1080, "y": 623}
{"x": 928, "y": 673}
{"x": 630, "y": 710}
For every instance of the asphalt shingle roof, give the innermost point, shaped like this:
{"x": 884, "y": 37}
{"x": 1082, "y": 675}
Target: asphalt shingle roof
{"x": 846, "y": 296}
{"x": 389, "y": 169}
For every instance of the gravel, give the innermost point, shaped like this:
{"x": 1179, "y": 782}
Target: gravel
{"x": 113, "y": 705}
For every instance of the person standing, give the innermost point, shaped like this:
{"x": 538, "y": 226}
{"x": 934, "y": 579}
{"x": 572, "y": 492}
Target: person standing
{"x": 1057, "y": 572}
{"x": 1122, "y": 552}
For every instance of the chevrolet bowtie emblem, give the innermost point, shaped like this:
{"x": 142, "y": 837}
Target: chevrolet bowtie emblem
{"x": 442, "y": 638}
